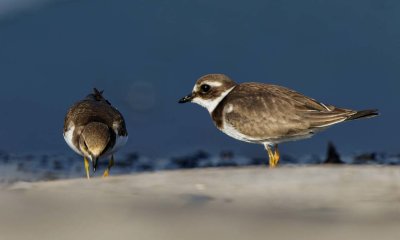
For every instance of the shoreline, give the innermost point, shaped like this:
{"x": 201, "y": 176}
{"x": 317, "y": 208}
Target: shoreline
{"x": 322, "y": 202}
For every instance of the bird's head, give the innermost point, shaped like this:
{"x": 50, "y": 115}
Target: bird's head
{"x": 94, "y": 141}
{"x": 209, "y": 91}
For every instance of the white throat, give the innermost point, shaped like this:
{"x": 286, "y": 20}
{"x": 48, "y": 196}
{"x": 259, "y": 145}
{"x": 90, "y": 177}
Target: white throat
{"x": 211, "y": 104}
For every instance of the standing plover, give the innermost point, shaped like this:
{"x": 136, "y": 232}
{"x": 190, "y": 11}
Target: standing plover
{"x": 93, "y": 128}
{"x": 264, "y": 113}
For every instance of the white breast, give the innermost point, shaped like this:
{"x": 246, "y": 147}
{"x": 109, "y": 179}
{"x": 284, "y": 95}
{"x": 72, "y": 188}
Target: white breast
{"x": 68, "y": 138}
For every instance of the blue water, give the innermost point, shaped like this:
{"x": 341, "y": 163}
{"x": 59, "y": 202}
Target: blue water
{"x": 148, "y": 54}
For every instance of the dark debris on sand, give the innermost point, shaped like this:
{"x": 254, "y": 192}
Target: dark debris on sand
{"x": 332, "y": 156}
{"x": 30, "y": 167}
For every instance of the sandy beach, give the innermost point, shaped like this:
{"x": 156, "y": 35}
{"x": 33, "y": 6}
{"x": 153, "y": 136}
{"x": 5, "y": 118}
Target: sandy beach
{"x": 314, "y": 202}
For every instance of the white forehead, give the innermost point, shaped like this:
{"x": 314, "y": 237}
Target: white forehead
{"x": 211, "y": 83}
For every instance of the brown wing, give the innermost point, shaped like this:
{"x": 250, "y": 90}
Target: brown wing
{"x": 271, "y": 112}
{"x": 87, "y": 111}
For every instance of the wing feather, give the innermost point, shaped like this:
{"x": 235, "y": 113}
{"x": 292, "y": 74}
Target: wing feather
{"x": 266, "y": 111}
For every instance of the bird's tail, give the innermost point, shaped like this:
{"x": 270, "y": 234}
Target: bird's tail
{"x": 364, "y": 114}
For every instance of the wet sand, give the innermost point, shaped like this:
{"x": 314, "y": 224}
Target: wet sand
{"x": 314, "y": 202}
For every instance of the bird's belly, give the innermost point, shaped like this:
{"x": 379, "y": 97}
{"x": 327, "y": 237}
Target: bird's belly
{"x": 234, "y": 133}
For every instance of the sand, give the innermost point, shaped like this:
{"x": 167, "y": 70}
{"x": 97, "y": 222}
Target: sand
{"x": 314, "y": 202}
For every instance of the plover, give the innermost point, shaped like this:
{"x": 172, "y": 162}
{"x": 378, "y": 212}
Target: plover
{"x": 95, "y": 129}
{"x": 264, "y": 113}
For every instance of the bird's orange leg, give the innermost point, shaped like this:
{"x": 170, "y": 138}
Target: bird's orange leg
{"x": 86, "y": 162}
{"x": 110, "y": 164}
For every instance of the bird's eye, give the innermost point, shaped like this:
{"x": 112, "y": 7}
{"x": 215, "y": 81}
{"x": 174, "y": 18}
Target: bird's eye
{"x": 205, "y": 88}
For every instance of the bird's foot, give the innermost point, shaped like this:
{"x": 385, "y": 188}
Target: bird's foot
{"x": 106, "y": 173}
{"x": 110, "y": 164}
{"x": 274, "y": 156}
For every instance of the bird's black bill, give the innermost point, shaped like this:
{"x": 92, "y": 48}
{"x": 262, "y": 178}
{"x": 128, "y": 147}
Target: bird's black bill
{"x": 186, "y": 99}
{"x": 95, "y": 161}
